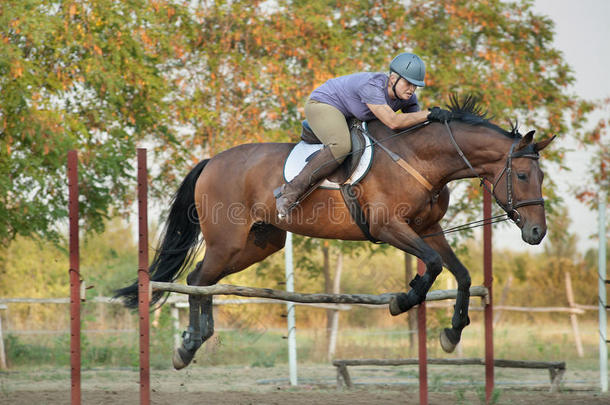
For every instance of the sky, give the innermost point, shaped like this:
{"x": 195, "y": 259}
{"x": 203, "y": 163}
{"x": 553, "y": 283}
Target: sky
{"x": 582, "y": 33}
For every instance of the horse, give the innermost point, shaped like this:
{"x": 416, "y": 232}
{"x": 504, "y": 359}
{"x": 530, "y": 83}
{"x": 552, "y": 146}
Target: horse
{"x": 228, "y": 200}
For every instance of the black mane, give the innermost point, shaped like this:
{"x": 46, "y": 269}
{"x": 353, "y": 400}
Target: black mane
{"x": 469, "y": 112}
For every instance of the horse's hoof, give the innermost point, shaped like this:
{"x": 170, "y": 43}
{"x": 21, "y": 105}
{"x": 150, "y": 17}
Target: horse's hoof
{"x": 394, "y": 307}
{"x": 447, "y": 345}
{"x": 181, "y": 358}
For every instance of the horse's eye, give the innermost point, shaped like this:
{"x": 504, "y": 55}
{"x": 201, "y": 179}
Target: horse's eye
{"x": 522, "y": 176}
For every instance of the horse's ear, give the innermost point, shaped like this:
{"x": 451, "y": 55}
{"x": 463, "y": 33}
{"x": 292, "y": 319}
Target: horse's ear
{"x": 538, "y": 146}
{"x": 526, "y": 140}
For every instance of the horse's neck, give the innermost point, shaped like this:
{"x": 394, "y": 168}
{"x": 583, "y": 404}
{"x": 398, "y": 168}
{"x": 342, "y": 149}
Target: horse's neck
{"x": 431, "y": 148}
{"x": 485, "y": 150}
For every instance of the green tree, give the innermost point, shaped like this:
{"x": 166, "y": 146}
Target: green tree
{"x": 102, "y": 76}
{"x": 88, "y": 75}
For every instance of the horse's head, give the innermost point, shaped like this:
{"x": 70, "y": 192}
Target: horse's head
{"x": 518, "y": 188}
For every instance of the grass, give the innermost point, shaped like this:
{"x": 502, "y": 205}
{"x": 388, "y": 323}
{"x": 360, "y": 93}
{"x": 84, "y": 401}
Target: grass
{"x": 267, "y": 347}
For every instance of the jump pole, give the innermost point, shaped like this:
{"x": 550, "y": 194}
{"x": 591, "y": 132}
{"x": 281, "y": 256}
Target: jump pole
{"x": 421, "y": 344}
{"x": 143, "y": 278}
{"x": 75, "y": 374}
{"x": 602, "y": 281}
{"x": 290, "y": 312}
{"x": 488, "y": 282}
{"x": 489, "y": 343}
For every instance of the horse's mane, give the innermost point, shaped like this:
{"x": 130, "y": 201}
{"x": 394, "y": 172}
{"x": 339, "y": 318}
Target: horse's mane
{"x": 470, "y": 112}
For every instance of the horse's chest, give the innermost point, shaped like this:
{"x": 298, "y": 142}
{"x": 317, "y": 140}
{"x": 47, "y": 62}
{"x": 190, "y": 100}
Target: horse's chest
{"x": 426, "y": 214}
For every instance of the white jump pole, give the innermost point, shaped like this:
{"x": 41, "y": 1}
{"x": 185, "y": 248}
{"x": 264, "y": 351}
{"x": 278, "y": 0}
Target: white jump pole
{"x": 292, "y": 341}
{"x": 603, "y": 330}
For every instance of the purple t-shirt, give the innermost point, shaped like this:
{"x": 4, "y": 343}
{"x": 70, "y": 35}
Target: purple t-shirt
{"x": 350, "y": 94}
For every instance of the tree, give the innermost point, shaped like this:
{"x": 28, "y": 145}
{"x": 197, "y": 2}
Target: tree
{"x": 88, "y": 75}
{"x": 192, "y": 80}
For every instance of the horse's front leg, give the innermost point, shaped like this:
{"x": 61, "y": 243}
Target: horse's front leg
{"x": 450, "y": 337}
{"x": 397, "y": 233}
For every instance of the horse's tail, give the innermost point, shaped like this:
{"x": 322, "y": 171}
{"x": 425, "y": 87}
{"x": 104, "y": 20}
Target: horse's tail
{"x": 180, "y": 240}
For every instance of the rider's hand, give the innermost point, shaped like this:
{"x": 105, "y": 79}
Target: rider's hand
{"x": 438, "y": 114}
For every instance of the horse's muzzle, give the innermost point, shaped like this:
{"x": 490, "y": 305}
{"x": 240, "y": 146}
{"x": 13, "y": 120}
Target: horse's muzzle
{"x": 533, "y": 234}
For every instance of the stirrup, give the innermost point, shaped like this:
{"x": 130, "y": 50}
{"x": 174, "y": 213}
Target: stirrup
{"x": 277, "y": 193}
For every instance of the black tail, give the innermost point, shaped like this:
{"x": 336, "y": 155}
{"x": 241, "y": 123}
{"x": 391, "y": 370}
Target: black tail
{"x": 180, "y": 240}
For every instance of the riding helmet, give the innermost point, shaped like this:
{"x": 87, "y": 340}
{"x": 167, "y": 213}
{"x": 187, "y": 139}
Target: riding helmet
{"x": 410, "y": 67}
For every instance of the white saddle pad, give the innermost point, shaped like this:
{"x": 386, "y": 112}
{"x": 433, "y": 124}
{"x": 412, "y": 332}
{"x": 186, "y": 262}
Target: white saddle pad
{"x": 297, "y": 159}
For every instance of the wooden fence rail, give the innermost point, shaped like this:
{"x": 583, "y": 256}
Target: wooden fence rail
{"x": 371, "y": 299}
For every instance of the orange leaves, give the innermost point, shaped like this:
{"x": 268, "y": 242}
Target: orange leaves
{"x": 15, "y": 25}
{"x": 178, "y": 51}
{"x": 16, "y": 70}
{"x": 146, "y": 39}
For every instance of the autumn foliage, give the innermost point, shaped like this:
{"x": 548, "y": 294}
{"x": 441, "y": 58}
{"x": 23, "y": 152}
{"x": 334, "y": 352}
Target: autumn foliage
{"x": 190, "y": 79}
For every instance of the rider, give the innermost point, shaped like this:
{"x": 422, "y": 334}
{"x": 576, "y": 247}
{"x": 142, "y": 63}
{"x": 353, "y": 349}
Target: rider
{"x": 365, "y": 96}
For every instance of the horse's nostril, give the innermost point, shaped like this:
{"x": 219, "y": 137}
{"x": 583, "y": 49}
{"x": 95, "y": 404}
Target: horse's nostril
{"x": 535, "y": 231}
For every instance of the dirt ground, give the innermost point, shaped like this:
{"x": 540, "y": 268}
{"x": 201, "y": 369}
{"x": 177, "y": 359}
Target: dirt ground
{"x": 317, "y": 385}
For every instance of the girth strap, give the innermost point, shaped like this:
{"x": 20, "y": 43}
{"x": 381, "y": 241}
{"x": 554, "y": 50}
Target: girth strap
{"x": 356, "y": 212}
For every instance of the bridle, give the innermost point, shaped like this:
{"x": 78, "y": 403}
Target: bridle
{"x": 511, "y": 206}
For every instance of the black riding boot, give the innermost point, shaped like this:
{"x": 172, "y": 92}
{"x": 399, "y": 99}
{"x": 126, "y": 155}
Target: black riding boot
{"x": 320, "y": 166}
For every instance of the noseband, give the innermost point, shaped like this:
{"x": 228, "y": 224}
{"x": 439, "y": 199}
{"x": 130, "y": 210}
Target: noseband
{"x": 510, "y": 207}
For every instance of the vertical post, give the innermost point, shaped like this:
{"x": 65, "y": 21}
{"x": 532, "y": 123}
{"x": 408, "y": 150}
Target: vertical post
{"x": 143, "y": 278}
{"x": 603, "y": 328}
{"x": 74, "y": 278}
{"x": 422, "y": 346}
{"x": 488, "y": 282}
{"x": 2, "y": 352}
{"x": 411, "y": 315}
{"x": 573, "y": 316}
{"x": 292, "y": 340}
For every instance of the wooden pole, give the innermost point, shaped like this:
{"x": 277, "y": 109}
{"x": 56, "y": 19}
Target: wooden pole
{"x": 488, "y": 282}
{"x": 2, "y": 352}
{"x": 228, "y": 289}
{"x": 143, "y": 278}
{"x": 602, "y": 282}
{"x": 411, "y": 315}
{"x": 573, "y": 316}
{"x": 291, "y": 313}
{"x": 423, "y": 353}
{"x": 334, "y": 323}
{"x": 75, "y": 373}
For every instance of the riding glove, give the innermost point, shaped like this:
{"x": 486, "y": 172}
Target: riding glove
{"x": 438, "y": 114}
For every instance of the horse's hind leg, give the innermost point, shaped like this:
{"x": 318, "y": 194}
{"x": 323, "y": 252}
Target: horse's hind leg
{"x": 261, "y": 241}
{"x": 201, "y": 325}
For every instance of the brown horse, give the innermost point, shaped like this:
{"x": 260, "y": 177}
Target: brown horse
{"x": 235, "y": 209}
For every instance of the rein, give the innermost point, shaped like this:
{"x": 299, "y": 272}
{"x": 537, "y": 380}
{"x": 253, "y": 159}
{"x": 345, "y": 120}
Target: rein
{"x": 510, "y": 207}
{"x": 469, "y": 225}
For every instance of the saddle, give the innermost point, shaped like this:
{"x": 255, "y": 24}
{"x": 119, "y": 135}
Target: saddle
{"x": 351, "y": 162}
{"x": 352, "y": 170}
